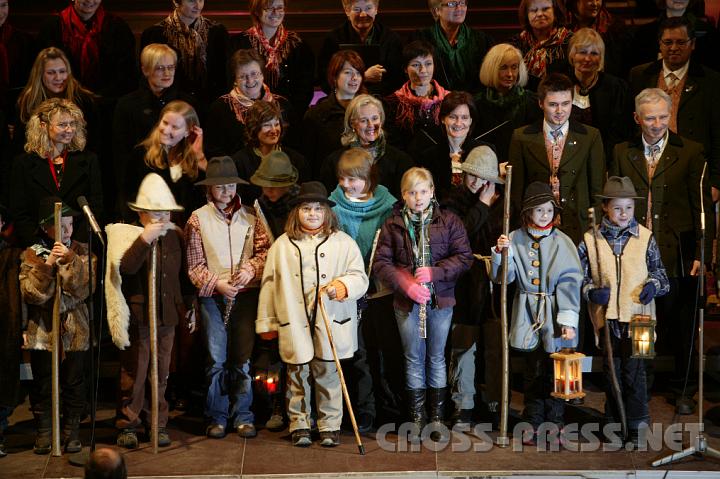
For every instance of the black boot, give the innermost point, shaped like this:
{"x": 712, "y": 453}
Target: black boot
{"x": 436, "y": 397}
{"x": 71, "y": 434}
{"x": 416, "y": 407}
{"x": 43, "y": 436}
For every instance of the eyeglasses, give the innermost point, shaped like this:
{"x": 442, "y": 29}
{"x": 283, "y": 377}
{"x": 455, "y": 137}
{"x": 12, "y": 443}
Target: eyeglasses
{"x": 165, "y": 68}
{"x": 66, "y": 125}
{"x": 251, "y": 76}
{"x": 680, "y": 43}
{"x": 455, "y": 4}
{"x": 274, "y": 9}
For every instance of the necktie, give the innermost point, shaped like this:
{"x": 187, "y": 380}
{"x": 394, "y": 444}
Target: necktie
{"x": 671, "y": 80}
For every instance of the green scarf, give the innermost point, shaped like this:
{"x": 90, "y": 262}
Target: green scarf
{"x": 460, "y": 55}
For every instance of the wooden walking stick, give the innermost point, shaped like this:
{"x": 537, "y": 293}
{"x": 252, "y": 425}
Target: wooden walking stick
{"x": 324, "y": 315}
{"x": 502, "y": 439}
{"x": 56, "y": 342}
{"x": 152, "y": 323}
{"x": 606, "y": 336}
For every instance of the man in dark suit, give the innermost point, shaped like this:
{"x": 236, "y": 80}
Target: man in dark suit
{"x": 565, "y": 153}
{"x": 667, "y": 170}
{"x": 693, "y": 89}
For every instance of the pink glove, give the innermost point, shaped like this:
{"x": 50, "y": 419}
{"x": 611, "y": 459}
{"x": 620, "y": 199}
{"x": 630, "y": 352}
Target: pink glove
{"x": 423, "y": 274}
{"x": 418, "y": 293}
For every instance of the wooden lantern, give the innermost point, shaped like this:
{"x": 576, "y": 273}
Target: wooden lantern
{"x": 568, "y": 374}
{"x": 642, "y": 332}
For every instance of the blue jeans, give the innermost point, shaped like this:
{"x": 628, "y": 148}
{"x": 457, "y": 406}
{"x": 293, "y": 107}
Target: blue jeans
{"x": 424, "y": 358}
{"x": 227, "y": 373}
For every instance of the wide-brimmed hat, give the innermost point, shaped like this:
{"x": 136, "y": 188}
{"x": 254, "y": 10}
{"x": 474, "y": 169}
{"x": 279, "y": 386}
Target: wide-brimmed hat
{"x": 482, "y": 162}
{"x": 619, "y": 187}
{"x": 538, "y": 193}
{"x": 154, "y": 195}
{"x": 46, "y": 210}
{"x": 275, "y": 170}
{"x": 311, "y": 192}
{"x": 221, "y": 170}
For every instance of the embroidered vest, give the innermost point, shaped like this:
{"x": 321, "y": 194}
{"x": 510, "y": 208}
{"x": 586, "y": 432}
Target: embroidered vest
{"x": 626, "y": 286}
{"x": 226, "y": 246}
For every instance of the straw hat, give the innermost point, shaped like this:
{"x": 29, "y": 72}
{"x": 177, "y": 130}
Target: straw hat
{"x": 482, "y": 162}
{"x": 312, "y": 192}
{"x": 154, "y": 195}
{"x": 221, "y": 170}
{"x": 619, "y": 187}
{"x": 538, "y": 193}
{"x": 275, "y": 170}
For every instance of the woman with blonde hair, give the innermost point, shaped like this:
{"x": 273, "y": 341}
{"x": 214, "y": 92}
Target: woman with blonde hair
{"x": 363, "y": 128}
{"x": 55, "y": 164}
{"x": 51, "y": 77}
{"x": 503, "y": 99}
{"x": 174, "y": 150}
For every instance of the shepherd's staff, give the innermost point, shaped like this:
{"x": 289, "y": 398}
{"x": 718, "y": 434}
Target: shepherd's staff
{"x": 56, "y": 447}
{"x": 152, "y": 322}
{"x": 264, "y": 222}
{"x": 324, "y": 315}
{"x": 503, "y": 440}
{"x": 606, "y": 335}
{"x": 369, "y": 266}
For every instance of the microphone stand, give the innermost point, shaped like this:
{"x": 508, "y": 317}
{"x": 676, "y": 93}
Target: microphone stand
{"x": 698, "y": 446}
{"x": 80, "y": 458}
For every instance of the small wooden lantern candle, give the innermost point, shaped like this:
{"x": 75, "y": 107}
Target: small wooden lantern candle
{"x": 642, "y": 332}
{"x": 568, "y": 374}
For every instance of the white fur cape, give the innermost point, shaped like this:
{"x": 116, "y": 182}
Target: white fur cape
{"x": 119, "y": 239}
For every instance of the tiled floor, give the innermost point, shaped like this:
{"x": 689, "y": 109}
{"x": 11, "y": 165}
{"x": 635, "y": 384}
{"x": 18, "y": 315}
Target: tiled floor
{"x": 193, "y": 455}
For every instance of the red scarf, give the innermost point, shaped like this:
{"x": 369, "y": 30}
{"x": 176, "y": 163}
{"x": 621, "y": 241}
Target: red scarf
{"x": 83, "y": 42}
{"x": 539, "y": 54}
{"x": 6, "y": 31}
{"x": 411, "y": 106}
{"x": 285, "y": 42}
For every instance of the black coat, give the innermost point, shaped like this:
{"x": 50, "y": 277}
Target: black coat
{"x": 297, "y": 79}
{"x": 391, "y": 167}
{"x": 215, "y": 81}
{"x": 698, "y": 116}
{"x": 247, "y": 162}
{"x": 32, "y": 182}
{"x": 322, "y": 128}
{"x": 21, "y": 51}
{"x": 135, "y": 116}
{"x": 611, "y": 107}
{"x": 522, "y": 112}
{"x": 117, "y": 66}
{"x": 390, "y": 47}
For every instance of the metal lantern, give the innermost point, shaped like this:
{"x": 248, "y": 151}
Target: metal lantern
{"x": 642, "y": 332}
{"x": 568, "y": 374}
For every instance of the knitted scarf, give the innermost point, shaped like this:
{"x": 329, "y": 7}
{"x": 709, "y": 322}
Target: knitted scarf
{"x": 540, "y": 54}
{"x": 6, "y": 31}
{"x": 411, "y": 106}
{"x": 239, "y": 103}
{"x": 83, "y": 41}
{"x": 285, "y": 42}
{"x": 376, "y": 148}
{"x": 460, "y": 55}
{"x": 190, "y": 41}
{"x": 361, "y": 220}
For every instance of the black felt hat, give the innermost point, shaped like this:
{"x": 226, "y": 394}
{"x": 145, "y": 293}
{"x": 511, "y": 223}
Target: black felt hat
{"x": 538, "y": 193}
{"x": 312, "y": 192}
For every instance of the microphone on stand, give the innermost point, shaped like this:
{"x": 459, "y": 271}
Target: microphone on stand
{"x": 83, "y": 203}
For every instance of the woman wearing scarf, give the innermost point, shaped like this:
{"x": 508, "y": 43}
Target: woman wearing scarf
{"x": 503, "y": 99}
{"x": 100, "y": 46}
{"x": 458, "y": 118}
{"x": 16, "y": 49}
{"x": 289, "y": 62}
{"x": 543, "y": 39}
{"x": 459, "y": 49}
{"x": 226, "y": 119}
{"x": 364, "y": 119}
{"x": 201, "y": 45}
{"x": 594, "y": 14}
{"x": 413, "y": 110}
{"x": 323, "y": 124}
{"x": 264, "y": 134}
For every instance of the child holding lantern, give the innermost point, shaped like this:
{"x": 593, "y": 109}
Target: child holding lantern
{"x": 623, "y": 275}
{"x": 546, "y": 307}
